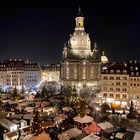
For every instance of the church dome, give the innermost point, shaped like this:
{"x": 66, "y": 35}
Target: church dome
{"x": 80, "y": 41}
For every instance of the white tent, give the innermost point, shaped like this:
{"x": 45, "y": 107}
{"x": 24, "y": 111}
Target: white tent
{"x": 91, "y": 137}
{"x": 119, "y": 136}
{"x": 85, "y": 119}
{"x": 60, "y": 118}
{"x": 71, "y": 133}
{"x": 105, "y": 125}
{"x": 27, "y": 117}
{"x": 137, "y": 136}
{"x": 67, "y": 109}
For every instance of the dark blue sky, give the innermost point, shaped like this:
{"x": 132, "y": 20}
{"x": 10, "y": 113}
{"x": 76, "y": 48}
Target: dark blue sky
{"x": 37, "y": 29}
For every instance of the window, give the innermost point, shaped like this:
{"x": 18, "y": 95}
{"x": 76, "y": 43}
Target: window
{"x": 105, "y": 77}
{"x": 111, "y": 78}
{"x": 117, "y": 83}
{"x": 84, "y": 73}
{"x": 67, "y": 73}
{"x": 75, "y": 74}
{"x": 117, "y": 95}
{"x": 124, "y": 84}
{"x": 117, "y": 89}
{"x": 124, "y": 96}
{"x": 124, "y": 89}
{"x": 124, "y": 72}
{"x": 132, "y": 73}
{"x": 136, "y": 68}
{"x": 111, "y": 71}
{"x": 131, "y": 68}
{"x": 118, "y": 71}
{"x": 105, "y": 94}
{"x": 104, "y": 88}
{"x": 111, "y": 89}
{"x": 111, "y": 95}
{"x": 137, "y": 73}
{"x": 117, "y": 78}
{"x": 125, "y": 78}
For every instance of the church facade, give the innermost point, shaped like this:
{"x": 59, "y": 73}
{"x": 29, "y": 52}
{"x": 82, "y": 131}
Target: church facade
{"x": 80, "y": 65}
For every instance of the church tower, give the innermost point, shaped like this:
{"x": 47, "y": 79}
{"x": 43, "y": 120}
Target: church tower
{"x": 80, "y": 65}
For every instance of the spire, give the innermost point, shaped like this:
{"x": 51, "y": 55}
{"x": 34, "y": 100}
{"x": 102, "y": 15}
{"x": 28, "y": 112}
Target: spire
{"x": 95, "y": 46}
{"x": 79, "y": 20}
{"x": 103, "y": 53}
{"x": 79, "y": 12}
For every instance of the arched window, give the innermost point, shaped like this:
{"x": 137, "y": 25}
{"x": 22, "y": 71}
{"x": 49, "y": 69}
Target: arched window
{"x": 118, "y": 71}
{"x": 132, "y": 73}
{"x": 111, "y": 71}
{"x": 137, "y": 73}
{"x": 124, "y": 71}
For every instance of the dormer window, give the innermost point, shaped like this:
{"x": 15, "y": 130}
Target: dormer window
{"x": 137, "y": 73}
{"x": 124, "y": 71}
{"x": 111, "y": 71}
{"x": 118, "y": 71}
{"x": 132, "y": 73}
{"x": 136, "y": 68}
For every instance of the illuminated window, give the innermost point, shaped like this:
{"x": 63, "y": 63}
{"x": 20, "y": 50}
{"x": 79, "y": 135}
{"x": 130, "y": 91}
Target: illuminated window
{"x": 67, "y": 73}
{"x": 136, "y": 68}
{"x": 84, "y": 73}
{"x": 75, "y": 74}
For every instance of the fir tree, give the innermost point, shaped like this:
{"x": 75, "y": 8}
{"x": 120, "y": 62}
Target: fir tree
{"x": 35, "y": 122}
{"x": 43, "y": 92}
{"x": 81, "y": 106}
{"x": 15, "y": 94}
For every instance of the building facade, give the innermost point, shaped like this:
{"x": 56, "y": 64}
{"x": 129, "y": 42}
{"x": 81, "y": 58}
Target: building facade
{"x": 18, "y": 73}
{"x": 80, "y": 65}
{"x": 120, "y": 84}
{"x": 51, "y": 73}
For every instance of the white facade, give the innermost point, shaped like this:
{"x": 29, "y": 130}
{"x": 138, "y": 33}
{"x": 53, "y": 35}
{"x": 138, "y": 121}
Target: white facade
{"x": 18, "y": 73}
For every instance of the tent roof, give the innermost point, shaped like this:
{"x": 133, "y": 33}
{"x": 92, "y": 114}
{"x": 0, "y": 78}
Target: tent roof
{"x": 105, "y": 125}
{"x": 91, "y": 137}
{"x": 93, "y": 128}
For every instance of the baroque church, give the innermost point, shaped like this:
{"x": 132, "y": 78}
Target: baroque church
{"x": 80, "y": 65}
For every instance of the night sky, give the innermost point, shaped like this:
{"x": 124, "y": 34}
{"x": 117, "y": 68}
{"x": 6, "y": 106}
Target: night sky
{"x": 37, "y": 29}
